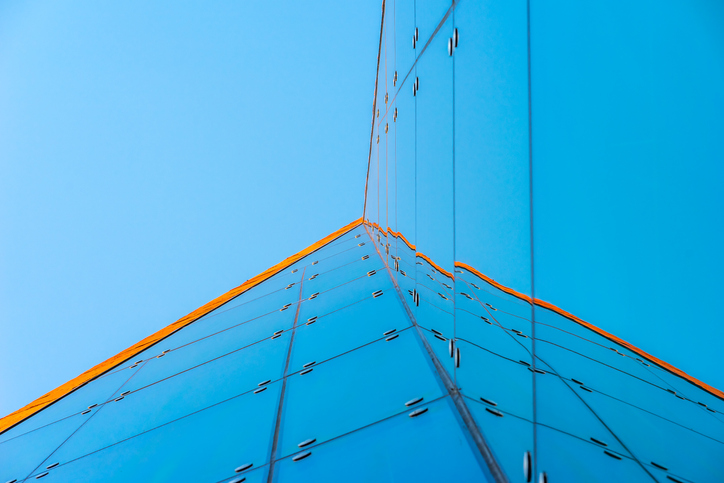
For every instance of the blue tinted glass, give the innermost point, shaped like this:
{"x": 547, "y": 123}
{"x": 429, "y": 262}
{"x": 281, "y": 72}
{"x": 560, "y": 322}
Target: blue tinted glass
{"x": 509, "y": 437}
{"x": 206, "y": 446}
{"x": 393, "y": 450}
{"x": 346, "y": 329}
{"x": 652, "y": 438}
{"x": 20, "y": 456}
{"x": 95, "y": 392}
{"x": 565, "y": 458}
{"x": 356, "y": 389}
{"x": 154, "y": 402}
{"x": 506, "y": 382}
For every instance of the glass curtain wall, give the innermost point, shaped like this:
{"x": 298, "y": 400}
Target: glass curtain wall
{"x": 544, "y": 184}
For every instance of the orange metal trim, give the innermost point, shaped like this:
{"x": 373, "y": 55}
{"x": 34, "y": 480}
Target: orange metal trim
{"x": 631, "y": 347}
{"x": 16, "y": 417}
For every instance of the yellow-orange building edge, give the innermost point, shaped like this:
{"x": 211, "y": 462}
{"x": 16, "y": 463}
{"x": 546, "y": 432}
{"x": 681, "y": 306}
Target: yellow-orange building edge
{"x": 43, "y": 401}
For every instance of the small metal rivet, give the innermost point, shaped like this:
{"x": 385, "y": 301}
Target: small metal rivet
{"x": 450, "y": 46}
{"x": 451, "y": 347}
{"x": 285, "y": 307}
{"x": 317, "y": 261}
{"x": 436, "y": 331}
{"x": 301, "y": 456}
{"x": 577, "y": 382}
{"x": 598, "y": 441}
{"x": 41, "y": 475}
{"x": 261, "y": 389}
{"x": 586, "y": 389}
{"x": 417, "y": 34}
{"x": 314, "y": 276}
{"x": 412, "y": 402}
{"x": 237, "y": 480}
{"x": 524, "y": 363}
{"x": 708, "y": 409}
{"x": 309, "y": 364}
{"x": 702, "y": 404}
{"x": 392, "y": 337}
{"x": 456, "y": 38}
{"x": 361, "y": 244}
{"x": 394, "y": 79}
{"x": 160, "y": 356}
{"x": 86, "y": 411}
{"x": 417, "y": 412}
{"x": 371, "y": 272}
{"x": 394, "y": 118}
{"x": 417, "y": 87}
{"x": 276, "y": 336}
{"x": 306, "y": 371}
{"x": 486, "y": 320}
{"x": 457, "y": 357}
{"x": 365, "y": 257}
{"x": 387, "y": 97}
{"x": 264, "y": 383}
{"x": 378, "y": 139}
{"x": 389, "y": 332}
{"x": 516, "y": 331}
{"x": 278, "y": 332}
{"x": 314, "y": 296}
{"x": 542, "y": 478}
{"x": 125, "y": 393}
{"x": 357, "y": 235}
{"x": 527, "y": 466}
{"x": 488, "y": 401}
{"x": 475, "y": 286}
{"x": 307, "y": 442}
{"x": 12, "y": 481}
{"x": 92, "y": 406}
{"x": 376, "y": 294}
{"x": 495, "y": 412}
{"x": 674, "y": 479}
{"x": 51, "y": 466}
{"x": 243, "y": 467}
{"x": 536, "y": 370}
{"x": 660, "y": 466}
{"x": 295, "y": 270}
{"x": 440, "y": 337}
{"x": 312, "y": 319}
{"x": 118, "y": 399}
{"x": 134, "y": 365}
{"x": 612, "y": 455}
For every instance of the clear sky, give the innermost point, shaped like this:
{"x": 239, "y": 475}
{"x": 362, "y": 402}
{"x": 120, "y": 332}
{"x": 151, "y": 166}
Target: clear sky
{"x": 156, "y": 154}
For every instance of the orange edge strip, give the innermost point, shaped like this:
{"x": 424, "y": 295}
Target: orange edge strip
{"x": 61, "y": 391}
{"x": 631, "y": 347}
{"x": 412, "y": 247}
{"x": 559, "y": 311}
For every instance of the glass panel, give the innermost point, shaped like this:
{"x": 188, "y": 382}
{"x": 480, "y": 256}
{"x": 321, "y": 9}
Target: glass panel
{"x": 428, "y": 15}
{"x": 345, "y": 295}
{"x": 507, "y": 383}
{"x": 95, "y": 392}
{"x": 21, "y": 455}
{"x": 356, "y": 389}
{"x": 150, "y": 405}
{"x": 509, "y": 437}
{"x": 393, "y": 450}
{"x": 626, "y": 139}
{"x": 565, "y": 458}
{"x": 206, "y": 446}
{"x": 332, "y": 334}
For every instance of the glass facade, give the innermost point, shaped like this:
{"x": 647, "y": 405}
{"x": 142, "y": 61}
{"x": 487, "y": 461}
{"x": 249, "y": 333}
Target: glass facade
{"x": 432, "y": 339}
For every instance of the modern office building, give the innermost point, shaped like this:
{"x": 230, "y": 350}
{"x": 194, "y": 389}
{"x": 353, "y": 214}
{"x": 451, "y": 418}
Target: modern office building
{"x": 410, "y": 345}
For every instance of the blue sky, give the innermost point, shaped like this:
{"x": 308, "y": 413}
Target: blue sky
{"x": 155, "y": 155}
